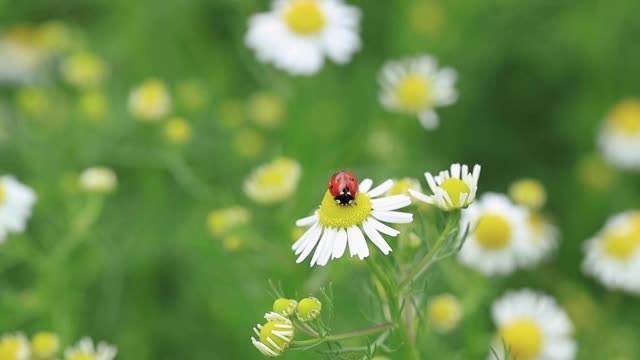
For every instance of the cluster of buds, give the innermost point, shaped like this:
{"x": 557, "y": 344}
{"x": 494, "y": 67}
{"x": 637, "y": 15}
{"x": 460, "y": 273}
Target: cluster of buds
{"x": 275, "y": 336}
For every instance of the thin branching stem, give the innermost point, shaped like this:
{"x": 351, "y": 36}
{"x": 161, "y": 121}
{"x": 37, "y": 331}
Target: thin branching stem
{"x": 343, "y": 336}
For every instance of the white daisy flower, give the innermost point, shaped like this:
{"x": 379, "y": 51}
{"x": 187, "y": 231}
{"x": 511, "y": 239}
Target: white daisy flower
{"x": 334, "y": 226}
{"x": 613, "y": 255}
{"x": 451, "y": 190}
{"x": 533, "y": 326}
{"x": 498, "y": 237}
{"x": 150, "y": 101}
{"x": 416, "y": 86}
{"x": 296, "y": 35}
{"x": 619, "y": 137}
{"x": 14, "y": 347}
{"x": 275, "y": 336}
{"x": 273, "y": 182}
{"x": 85, "y": 349}
{"x": 21, "y": 56}
{"x": 16, "y": 201}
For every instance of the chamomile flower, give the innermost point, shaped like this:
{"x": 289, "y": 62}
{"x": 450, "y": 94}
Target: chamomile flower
{"x": 533, "y": 326}
{"x": 613, "y": 255}
{"x": 14, "y": 347}
{"x": 619, "y": 137}
{"x": 498, "y": 235}
{"x": 83, "y": 70}
{"x": 150, "y": 101}
{"x": 275, "y": 336}
{"x": 85, "y": 349}
{"x": 337, "y": 224}
{"x": 16, "y": 201}
{"x": 273, "y": 182}
{"x": 528, "y": 192}
{"x": 416, "y": 86}
{"x": 451, "y": 190}
{"x": 296, "y": 35}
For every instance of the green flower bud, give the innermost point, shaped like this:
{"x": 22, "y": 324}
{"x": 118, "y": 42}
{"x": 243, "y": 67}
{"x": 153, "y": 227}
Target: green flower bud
{"x": 308, "y": 309}
{"x": 284, "y": 306}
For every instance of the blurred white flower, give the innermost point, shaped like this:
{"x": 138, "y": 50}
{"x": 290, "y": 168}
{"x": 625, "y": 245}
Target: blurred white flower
{"x": 296, "y": 35}
{"x": 619, "y": 137}
{"x": 333, "y": 226}
{"x": 16, "y": 201}
{"x": 533, "y": 326}
{"x": 451, "y": 190}
{"x": 416, "y": 86}
{"x": 150, "y": 101}
{"x": 613, "y": 255}
{"x": 98, "y": 180}
{"x": 273, "y": 182}
{"x": 498, "y": 235}
{"x": 85, "y": 350}
{"x": 14, "y": 347}
{"x": 21, "y": 55}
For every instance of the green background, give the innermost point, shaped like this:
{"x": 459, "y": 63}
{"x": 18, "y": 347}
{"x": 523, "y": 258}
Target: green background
{"x": 536, "y": 78}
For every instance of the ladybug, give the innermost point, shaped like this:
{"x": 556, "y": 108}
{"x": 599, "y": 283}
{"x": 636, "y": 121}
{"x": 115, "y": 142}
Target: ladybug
{"x": 344, "y": 187}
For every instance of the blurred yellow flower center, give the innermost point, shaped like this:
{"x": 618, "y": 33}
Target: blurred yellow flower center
{"x": 81, "y": 356}
{"x": 444, "y": 312}
{"x": 528, "y": 192}
{"x": 454, "y": 187}
{"x": 335, "y": 215}
{"x": 402, "y": 186}
{"x": 493, "y": 231}
{"x": 10, "y": 348}
{"x": 177, "y": 130}
{"x": 621, "y": 245}
{"x": 525, "y": 338}
{"x": 625, "y": 117}
{"x": 414, "y": 92}
{"x": 305, "y": 17}
{"x": 45, "y": 345}
{"x": 2, "y": 193}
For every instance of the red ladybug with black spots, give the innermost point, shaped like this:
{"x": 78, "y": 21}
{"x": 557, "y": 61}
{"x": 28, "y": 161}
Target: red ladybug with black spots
{"x": 344, "y": 187}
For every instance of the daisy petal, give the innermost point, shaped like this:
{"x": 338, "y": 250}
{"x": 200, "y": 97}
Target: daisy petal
{"x": 375, "y": 237}
{"x": 395, "y": 217}
{"x": 307, "y": 221}
{"x": 365, "y": 185}
{"x": 381, "y": 189}
{"x": 391, "y": 202}
{"x": 340, "y": 244}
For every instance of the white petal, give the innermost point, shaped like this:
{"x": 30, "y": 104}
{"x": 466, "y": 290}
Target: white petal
{"x": 428, "y": 119}
{"x": 420, "y": 196}
{"x": 357, "y": 243}
{"x": 307, "y": 221}
{"x": 381, "y": 189}
{"x": 391, "y": 202}
{"x": 394, "y": 217}
{"x": 365, "y": 185}
{"x": 321, "y": 246}
{"x": 307, "y": 237}
{"x": 340, "y": 244}
{"x": 310, "y": 245}
{"x": 328, "y": 248}
{"x": 376, "y": 238}
{"x": 383, "y": 228}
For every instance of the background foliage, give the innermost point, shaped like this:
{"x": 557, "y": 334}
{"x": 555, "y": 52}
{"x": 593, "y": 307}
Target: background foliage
{"x": 535, "y": 80}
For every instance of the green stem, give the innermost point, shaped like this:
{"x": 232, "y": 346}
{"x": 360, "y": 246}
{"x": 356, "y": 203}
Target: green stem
{"x": 411, "y": 353}
{"x": 428, "y": 258}
{"x": 79, "y": 228}
{"x": 343, "y": 336}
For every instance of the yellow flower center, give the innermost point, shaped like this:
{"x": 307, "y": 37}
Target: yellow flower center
{"x": 45, "y": 345}
{"x": 414, "y": 92}
{"x": 621, "y": 245}
{"x": 528, "y": 192}
{"x": 10, "y": 348}
{"x": 305, "y": 17}
{"x": 493, "y": 231}
{"x": 335, "y": 215}
{"x": 625, "y": 117}
{"x": 267, "y": 333}
{"x": 454, "y": 187}
{"x": 177, "y": 130}
{"x": 402, "y": 186}
{"x": 3, "y": 194}
{"x": 82, "y": 356}
{"x": 524, "y": 337}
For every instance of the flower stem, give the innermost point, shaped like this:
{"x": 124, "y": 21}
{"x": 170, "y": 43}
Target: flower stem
{"x": 452, "y": 222}
{"x": 347, "y": 335}
{"x": 411, "y": 352}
